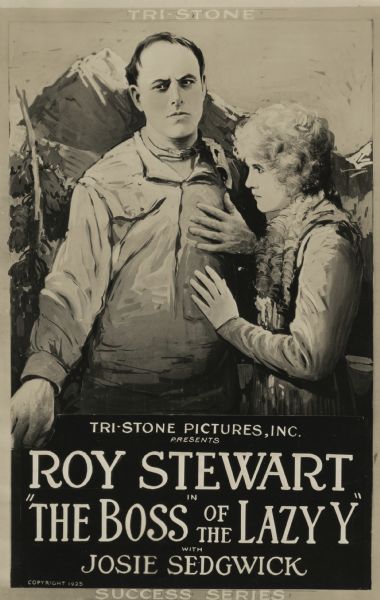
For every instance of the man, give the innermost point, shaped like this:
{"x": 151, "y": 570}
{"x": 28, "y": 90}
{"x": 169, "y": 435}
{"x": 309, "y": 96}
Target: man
{"x": 121, "y": 277}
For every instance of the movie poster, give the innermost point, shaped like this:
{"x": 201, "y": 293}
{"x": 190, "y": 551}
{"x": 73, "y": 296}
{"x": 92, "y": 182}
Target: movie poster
{"x": 188, "y": 259}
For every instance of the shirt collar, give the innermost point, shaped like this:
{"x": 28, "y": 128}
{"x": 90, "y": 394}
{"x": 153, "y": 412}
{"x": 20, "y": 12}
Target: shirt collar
{"x": 211, "y": 168}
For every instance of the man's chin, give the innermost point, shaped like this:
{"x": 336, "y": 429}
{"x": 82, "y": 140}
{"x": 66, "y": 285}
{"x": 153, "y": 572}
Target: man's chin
{"x": 181, "y": 131}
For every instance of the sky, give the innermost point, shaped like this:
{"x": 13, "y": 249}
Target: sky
{"x": 323, "y": 64}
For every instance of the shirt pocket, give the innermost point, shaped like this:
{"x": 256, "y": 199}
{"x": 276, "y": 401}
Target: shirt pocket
{"x": 121, "y": 224}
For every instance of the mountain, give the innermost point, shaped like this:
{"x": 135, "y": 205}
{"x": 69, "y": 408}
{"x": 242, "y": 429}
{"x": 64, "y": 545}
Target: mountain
{"x": 88, "y": 107}
{"x": 219, "y": 120}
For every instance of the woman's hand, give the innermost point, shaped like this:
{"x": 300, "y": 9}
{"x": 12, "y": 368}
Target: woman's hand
{"x": 213, "y": 297}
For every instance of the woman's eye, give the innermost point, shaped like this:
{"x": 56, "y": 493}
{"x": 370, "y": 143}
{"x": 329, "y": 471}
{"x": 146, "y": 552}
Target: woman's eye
{"x": 258, "y": 168}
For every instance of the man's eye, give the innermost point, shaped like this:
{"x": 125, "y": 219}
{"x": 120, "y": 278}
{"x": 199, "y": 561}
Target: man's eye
{"x": 161, "y": 87}
{"x": 187, "y": 82}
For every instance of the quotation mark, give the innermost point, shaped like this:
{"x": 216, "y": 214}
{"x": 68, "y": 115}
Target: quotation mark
{"x": 29, "y": 497}
{"x": 357, "y": 495}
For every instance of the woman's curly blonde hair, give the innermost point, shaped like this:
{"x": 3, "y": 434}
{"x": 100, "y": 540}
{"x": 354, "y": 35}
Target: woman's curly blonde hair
{"x": 293, "y": 141}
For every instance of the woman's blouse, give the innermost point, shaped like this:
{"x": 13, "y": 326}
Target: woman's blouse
{"x": 327, "y": 300}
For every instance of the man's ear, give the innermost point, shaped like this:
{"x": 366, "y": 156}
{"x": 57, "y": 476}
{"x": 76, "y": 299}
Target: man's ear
{"x": 135, "y": 95}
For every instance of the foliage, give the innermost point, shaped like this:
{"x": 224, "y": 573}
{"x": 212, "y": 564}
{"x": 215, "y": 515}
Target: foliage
{"x": 29, "y": 272}
{"x": 21, "y": 221}
{"x": 56, "y": 193}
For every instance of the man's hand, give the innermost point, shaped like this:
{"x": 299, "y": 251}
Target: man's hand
{"x": 32, "y": 413}
{"x": 225, "y": 230}
{"x": 213, "y": 297}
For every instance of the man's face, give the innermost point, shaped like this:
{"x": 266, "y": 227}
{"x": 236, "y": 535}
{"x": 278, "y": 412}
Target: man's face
{"x": 170, "y": 90}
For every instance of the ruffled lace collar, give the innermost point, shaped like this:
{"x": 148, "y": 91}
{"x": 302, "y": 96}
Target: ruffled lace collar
{"x": 276, "y": 254}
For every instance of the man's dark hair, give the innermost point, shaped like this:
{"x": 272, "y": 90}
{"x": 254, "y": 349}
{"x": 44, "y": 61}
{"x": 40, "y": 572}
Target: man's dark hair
{"x": 132, "y": 70}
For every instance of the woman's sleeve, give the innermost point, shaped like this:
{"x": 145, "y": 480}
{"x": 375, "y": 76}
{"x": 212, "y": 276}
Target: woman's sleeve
{"x": 74, "y": 290}
{"x": 326, "y": 305}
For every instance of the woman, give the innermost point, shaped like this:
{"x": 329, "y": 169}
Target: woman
{"x": 308, "y": 270}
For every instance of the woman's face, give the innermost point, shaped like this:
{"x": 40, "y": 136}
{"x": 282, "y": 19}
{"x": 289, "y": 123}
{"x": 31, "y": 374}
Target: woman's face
{"x": 269, "y": 193}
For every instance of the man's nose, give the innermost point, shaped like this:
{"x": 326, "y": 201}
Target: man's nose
{"x": 175, "y": 95}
